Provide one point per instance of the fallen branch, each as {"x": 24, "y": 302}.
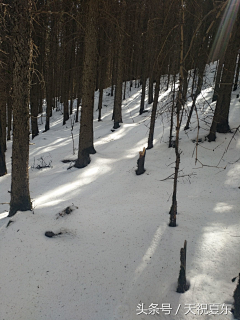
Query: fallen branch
{"x": 185, "y": 175}
{"x": 206, "y": 165}
{"x": 226, "y": 150}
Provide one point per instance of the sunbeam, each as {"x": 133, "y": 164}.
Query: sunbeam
{"x": 224, "y": 30}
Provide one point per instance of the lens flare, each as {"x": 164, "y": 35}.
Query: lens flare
{"x": 224, "y": 30}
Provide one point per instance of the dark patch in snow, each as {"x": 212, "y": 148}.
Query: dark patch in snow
{"x": 68, "y": 160}
{"x": 199, "y": 140}
{"x": 66, "y": 211}
{"x": 50, "y": 234}
{"x": 9, "y": 222}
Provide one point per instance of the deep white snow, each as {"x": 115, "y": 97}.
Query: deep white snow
{"x": 116, "y": 252}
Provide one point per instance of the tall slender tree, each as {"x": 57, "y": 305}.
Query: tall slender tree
{"x": 117, "y": 111}
{"x": 179, "y": 103}
{"x": 3, "y": 169}
{"x": 3, "y": 95}
{"x": 21, "y": 42}
{"x": 220, "y": 120}
{"x": 86, "y": 146}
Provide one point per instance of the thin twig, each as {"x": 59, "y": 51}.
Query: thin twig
{"x": 226, "y": 150}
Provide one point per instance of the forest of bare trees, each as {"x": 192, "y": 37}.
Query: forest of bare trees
{"x": 65, "y": 50}
{"x": 56, "y": 54}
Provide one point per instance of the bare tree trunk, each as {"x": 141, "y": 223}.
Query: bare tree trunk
{"x": 100, "y": 102}
{"x": 3, "y": 120}
{"x": 113, "y": 76}
{"x": 173, "y": 210}
{"x": 144, "y": 72}
{"x": 185, "y": 86}
{"x": 170, "y": 142}
{"x": 47, "y": 73}
{"x": 3, "y": 168}
{"x": 34, "y": 108}
{"x": 142, "y": 105}
{"x": 21, "y": 40}
{"x": 196, "y": 94}
{"x": 150, "y": 89}
{"x": 77, "y": 112}
{"x": 117, "y": 111}
{"x": 102, "y": 66}
{"x": 79, "y": 61}
{"x": 194, "y": 80}
{"x": 153, "y": 115}
{"x": 9, "y": 115}
{"x": 237, "y": 74}
{"x": 218, "y": 79}
{"x": 124, "y": 90}
{"x": 220, "y": 119}
{"x": 89, "y": 73}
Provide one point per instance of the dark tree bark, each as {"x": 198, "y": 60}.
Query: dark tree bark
{"x": 153, "y": 115}
{"x": 100, "y": 102}
{"x": 9, "y": 94}
{"x": 4, "y": 94}
{"x": 47, "y": 71}
{"x": 124, "y": 90}
{"x": 3, "y": 168}
{"x": 69, "y": 54}
{"x": 140, "y": 162}
{"x": 102, "y": 45}
{"x": 142, "y": 105}
{"x": 66, "y": 47}
{"x": 220, "y": 120}
{"x": 9, "y": 113}
{"x": 34, "y": 108}
{"x": 89, "y": 73}
{"x": 198, "y": 89}
{"x": 150, "y": 90}
{"x": 218, "y": 80}
{"x": 144, "y": 61}
{"x": 79, "y": 62}
{"x": 183, "y": 286}
{"x": 117, "y": 110}
{"x": 21, "y": 41}
{"x": 194, "y": 81}
{"x": 144, "y": 73}
{"x": 170, "y": 142}
{"x": 236, "y": 75}
{"x": 3, "y": 120}
{"x": 77, "y": 112}
{"x": 179, "y": 103}
{"x": 113, "y": 75}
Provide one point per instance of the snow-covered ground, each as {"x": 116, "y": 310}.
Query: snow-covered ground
{"x": 116, "y": 256}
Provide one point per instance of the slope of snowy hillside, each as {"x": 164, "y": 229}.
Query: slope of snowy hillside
{"x": 116, "y": 257}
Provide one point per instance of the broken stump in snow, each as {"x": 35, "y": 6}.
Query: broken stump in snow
{"x": 236, "y": 303}
{"x": 182, "y": 281}
{"x": 140, "y": 162}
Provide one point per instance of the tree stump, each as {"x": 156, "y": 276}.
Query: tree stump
{"x": 236, "y": 303}
{"x": 183, "y": 286}
{"x": 140, "y": 162}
